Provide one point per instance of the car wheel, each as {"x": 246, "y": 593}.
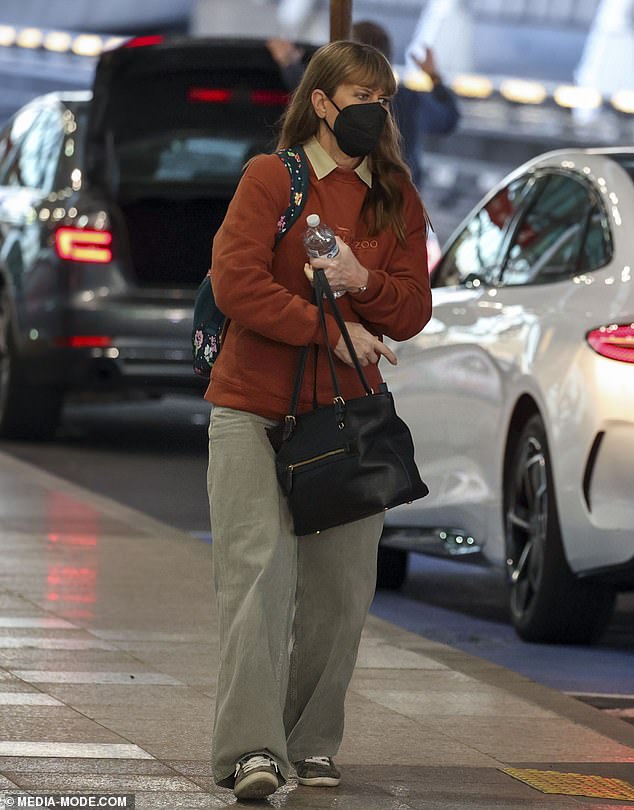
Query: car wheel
{"x": 26, "y": 411}
{"x": 391, "y": 568}
{"x": 547, "y": 602}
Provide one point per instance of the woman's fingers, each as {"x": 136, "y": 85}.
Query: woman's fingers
{"x": 387, "y": 353}
{"x": 343, "y": 272}
{"x": 369, "y": 349}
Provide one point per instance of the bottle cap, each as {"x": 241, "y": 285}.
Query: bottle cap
{"x": 312, "y": 220}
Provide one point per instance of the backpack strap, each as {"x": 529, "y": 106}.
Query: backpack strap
{"x": 209, "y": 324}
{"x": 294, "y": 158}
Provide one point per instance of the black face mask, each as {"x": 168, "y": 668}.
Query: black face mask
{"x": 358, "y": 127}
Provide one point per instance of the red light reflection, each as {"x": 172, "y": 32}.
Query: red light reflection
{"x": 71, "y": 579}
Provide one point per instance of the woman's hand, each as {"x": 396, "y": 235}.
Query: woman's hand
{"x": 428, "y": 64}
{"x": 284, "y": 52}
{"x": 368, "y": 347}
{"x": 344, "y": 271}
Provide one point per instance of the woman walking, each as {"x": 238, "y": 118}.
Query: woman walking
{"x": 291, "y": 609}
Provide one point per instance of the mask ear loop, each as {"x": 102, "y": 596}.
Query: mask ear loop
{"x": 336, "y": 108}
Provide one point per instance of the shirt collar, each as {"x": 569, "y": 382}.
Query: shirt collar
{"x": 323, "y": 164}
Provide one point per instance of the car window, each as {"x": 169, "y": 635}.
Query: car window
{"x": 11, "y": 136}
{"x": 196, "y": 158}
{"x": 547, "y": 242}
{"x": 6, "y": 147}
{"x": 597, "y": 247}
{"x": 475, "y": 253}
{"x": 34, "y": 163}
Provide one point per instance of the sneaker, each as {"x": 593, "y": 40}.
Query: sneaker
{"x": 256, "y": 776}
{"x": 317, "y": 772}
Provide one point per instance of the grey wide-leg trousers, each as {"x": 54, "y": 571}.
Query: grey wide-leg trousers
{"x": 291, "y": 610}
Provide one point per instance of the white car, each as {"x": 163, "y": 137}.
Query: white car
{"x": 520, "y": 395}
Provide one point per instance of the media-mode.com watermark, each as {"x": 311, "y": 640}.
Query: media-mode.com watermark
{"x": 58, "y": 800}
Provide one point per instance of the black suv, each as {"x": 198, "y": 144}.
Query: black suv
{"x": 109, "y": 201}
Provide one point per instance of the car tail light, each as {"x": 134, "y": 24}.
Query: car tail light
{"x": 143, "y": 42}
{"x": 208, "y": 95}
{"x": 84, "y": 342}
{"x": 83, "y": 245}
{"x": 615, "y": 341}
{"x": 221, "y": 95}
{"x": 269, "y": 97}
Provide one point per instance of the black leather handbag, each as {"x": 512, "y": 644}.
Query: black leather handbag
{"x": 348, "y": 460}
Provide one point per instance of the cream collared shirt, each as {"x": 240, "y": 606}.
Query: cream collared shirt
{"x": 323, "y": 164}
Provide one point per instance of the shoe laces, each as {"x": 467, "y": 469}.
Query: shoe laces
{"x": 318, "y": 760}
{"x": 255, "y": 762}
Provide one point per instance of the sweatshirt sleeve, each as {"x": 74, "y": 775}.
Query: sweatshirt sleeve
{"x": 397, "y": 301}
{"x": 244, "y": 287}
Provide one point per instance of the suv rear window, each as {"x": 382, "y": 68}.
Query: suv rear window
{"x": 195, "y": 158}
{"x": 187, "y": 113}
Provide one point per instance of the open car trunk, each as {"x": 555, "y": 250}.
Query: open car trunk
{"x": 170, "y": 239}
{"x": 171, "y": 127}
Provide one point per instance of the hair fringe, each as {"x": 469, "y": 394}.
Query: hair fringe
{"x": 335, "y": 64}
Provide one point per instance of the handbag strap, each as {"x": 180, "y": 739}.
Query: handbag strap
{"x": 301, "y": 366}
{"x": 327, "y": 291}
{"x": 323, "y": 290}
{"x": 319, "y": 300}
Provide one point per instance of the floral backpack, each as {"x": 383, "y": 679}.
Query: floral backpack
{"x": 209, "y": 323}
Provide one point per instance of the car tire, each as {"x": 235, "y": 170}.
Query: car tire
{"x": 547, "y": 602}
{"x": 26, "y": 411}
{"x": 391, "y": 568}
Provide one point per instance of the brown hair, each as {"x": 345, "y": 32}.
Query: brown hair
{"x": 345, "y": 62}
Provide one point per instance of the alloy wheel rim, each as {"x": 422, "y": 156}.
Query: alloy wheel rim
{"x": 526, "y": 526}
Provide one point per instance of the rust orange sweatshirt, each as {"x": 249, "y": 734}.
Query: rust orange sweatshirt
{"x": 268, "y": 299}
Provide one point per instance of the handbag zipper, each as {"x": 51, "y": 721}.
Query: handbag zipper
{"x": 290, "y": 469}
{"x": 337, "y": 452}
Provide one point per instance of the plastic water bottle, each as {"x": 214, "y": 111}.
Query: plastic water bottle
{"x": 320, "y": 242}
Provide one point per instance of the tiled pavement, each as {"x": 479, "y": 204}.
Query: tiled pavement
{"x": 108, "y": 663}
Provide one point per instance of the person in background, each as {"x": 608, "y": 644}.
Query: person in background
{"x": 416, "y": 113}
{"x": 291, "y": 609}
{"x": 289, "y": 59}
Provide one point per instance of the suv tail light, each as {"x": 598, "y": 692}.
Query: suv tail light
{"x": 209, "y": 95}
{"x": 83, "y": 245}
{"x": 144, "y": 41}
{"x": 615, "y": 341}
{"x": 268, "y": 98}
{"x": 84, "y": 342}
{"x": 221, "y": 95}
